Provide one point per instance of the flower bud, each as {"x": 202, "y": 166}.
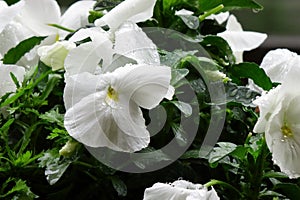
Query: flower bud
{"x": 54, "y": 55}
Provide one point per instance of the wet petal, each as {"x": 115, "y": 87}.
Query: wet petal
{"x": 276, "y": 64}
{"x": 7, "y": 13}
{"x": 81, "y": 85}
{"x": 87, "y": 56}
{"x": 132, "y": 42}
{"x": 243, "y": 41}
{"x": 147, "y": 85}
{"x": 36, "y": 15}
{"x": 76, "y": 16}
{"x": 140, "y": 10}
{"x": 91, "y": 122}
{"x": 6, "y": 83}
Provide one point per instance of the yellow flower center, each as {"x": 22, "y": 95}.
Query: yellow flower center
{"x": 112, "y": 94}
{"x": 286, "y": 131}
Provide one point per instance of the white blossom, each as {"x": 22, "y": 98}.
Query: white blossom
{"x": 104, "y": 110}
{"x": 180, "y": 190}
{"x": 240, "y": 40}
{"x": 279, "y": 120}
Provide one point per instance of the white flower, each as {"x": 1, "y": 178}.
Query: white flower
{"x": 104, "y": 110}
{"x": 6, "y": 83}
{"x": 54, "y": 55}
{"x": 29, "y": 18}
{"x": 240, "y": 40}
{"x": 128, "y": 10}
{"x": 279, "y": 119}
{"x": 277, "y": 63}
{"x": 180, "y": 190}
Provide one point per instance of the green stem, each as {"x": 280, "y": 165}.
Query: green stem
{"x": 227, "y": 185}
{"x": 62, "y": 28}
{"x": 257, "y": 176}
{"x": 210, "y": 12}
{"x": 84, "y": 164}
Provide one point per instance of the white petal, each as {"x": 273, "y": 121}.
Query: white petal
{"x": 91, "y": 122}
{"x": 243, "y": 41}
{"x": 276, "y": 64}
{"x": 132, "y": 42}
{"x": 183, "y": 12}
{"x": 81, "y": 85}
{"x": 266, "y": 103}
{"x": 181, "y": 189}
{"x": 76, "y": 16}
{"x": 6, "y": 83}
{"x": 36, "y": 15}
{"x": 129, "y": 119}
{"x": 285, "y": 150}
{"x": 170, "y": 93}
{"x": 233, "y": 24}
{"x": 220, "y": 18}
{"x": 12, "y": 35}
{"x": 54, "y": 55}
{"x": 7, "y": 14}
{"x": 147, "y": 85}
{"x": 87, "y": 56}
{"x": 131, "y": 10}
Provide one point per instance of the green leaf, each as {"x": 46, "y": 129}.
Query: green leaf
{"x": 180, "y": 134}
{"x": 185, "y": 108}
{"x": 119, "y": 186}
{"x": 273, "y": 174}
{"x": 218, "y": 153}
{"x": 14, "y": 54}
{"x": 20, "y": 190}
{"x": 54, "y": 167}
{"x": 177, "y": 76}
{"x": 218, "y": 49}
{"x": 171, "y": 59}
{"x": 270, "y": 193}
{"x": 51, "y": 83}
{"x": 191, "y": 154}
{"x": 190, "y": 21}
{"x": 205, "y": 5}
{"x": 290, "y": 190}
{"x": 240, "y": 94}
{"x": 53, "y": 116}
{"x": 238, "y": 4}
{"x": 10, "y": 2}
{"x": 252, "y": 71}
{"x": 148, "y": 157}
{"x": 24, "y": 159}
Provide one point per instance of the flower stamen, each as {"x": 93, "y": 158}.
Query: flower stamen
{"x": 286, "y": 131}
{"x": 112, "y": 94}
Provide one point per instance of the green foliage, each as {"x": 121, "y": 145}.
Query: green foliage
{"x": 252, "y": 71}
{"x": 14, "y": 54}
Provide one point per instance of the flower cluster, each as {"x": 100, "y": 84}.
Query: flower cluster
{"x": 87, "y": 80}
